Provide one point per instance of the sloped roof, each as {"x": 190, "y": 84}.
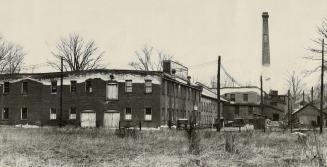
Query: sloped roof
{"x": 208, "y": 93}
{"x": 241, "y": 90}
{"x": 305, "y": 106}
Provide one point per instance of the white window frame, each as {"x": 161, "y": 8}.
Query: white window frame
{"x": 128, "y": 116}
{"x": 70, "y": 86}
{"x": 51, "y": 87}
{"x": 21, "y": 113}
{"x": 147, "y": 117}
{"x": 3, "y": 111}
{"x": 53, "y": 116}
{"x": 148, "y": 88}
{"x": 107, "y": 94}
{"x": 72, "y": 116}
{"x": 128, "y": 88}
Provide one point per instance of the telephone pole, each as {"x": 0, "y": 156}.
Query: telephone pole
{"x": 322, "y": 86}
{"x": 218, "y": 95}
{"x": 61, "y": 90}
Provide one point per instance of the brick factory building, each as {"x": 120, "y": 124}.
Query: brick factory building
{"x": 100, "y": 98}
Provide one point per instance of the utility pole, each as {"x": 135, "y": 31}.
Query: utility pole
{"x": 218, "y": 95}
{"x": 261, "y": 105}
{"x": 61, "y": 90}
{"x": 322, "y": 86}
{"x": 288, "y": 108}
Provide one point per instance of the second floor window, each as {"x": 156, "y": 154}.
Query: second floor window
{"x": 148, "y": 86}
{"x": 73, "y": 85}
{"x": 112, "y": 91}
{"x": 250, "y": 109}
{"x": 53, "y": 113}
{"x": 5, "y": 113}
{"x": 232, "y": 97}
{"x": 128, "y": 86}
{"x": 245, "y": 97}
{"x": 88, "y": 86}
{"x": 6, "y": 87}
{"x": 53, "y": 86}
{"x": 24, "y": 88}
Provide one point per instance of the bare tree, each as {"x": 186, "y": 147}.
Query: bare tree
{"x": 11, "y": 57}
{"x": 295, "y": 85}
{"x": 77, "y": 53}
{"x": 149, "y": 60}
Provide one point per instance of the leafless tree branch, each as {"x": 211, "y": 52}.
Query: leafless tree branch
{"x": 77, "y": 54}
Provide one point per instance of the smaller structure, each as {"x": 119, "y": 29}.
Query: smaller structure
{"x": 307, "y": 116}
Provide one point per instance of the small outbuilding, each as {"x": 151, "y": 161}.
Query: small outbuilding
{"x": 308, "y": 115}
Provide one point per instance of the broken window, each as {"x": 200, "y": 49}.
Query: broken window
{"x": 24, "y": 88}
{"x": 72, "y": 113}
{"x": 112, "y": 91}
{"x": 23, "y": 113}
{"x": 148, "y": 113}
{"x": 73, "y": 85}
{"x": 6, "y": 87}
{"x": 128, "y": 86}
{"x": 148, "y": 86}
{"x": 88, "y": 86}
{"x": 5, "y": 113}
{"x": 53, "y": 113}
{"x": 53, "y": 86}
{"x": 128, "y": 113}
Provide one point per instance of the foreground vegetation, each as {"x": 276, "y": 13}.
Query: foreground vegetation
{"x": 101, "y": 147}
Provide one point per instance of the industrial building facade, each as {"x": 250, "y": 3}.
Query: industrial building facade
{"x": 96, "y": 98}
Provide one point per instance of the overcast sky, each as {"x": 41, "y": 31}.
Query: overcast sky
{"x": 195, "y": 32}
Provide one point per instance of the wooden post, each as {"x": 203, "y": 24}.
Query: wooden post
{"x": 218, "y": 95}
{"x": 322, "y": 86}
{"x": 288, "y": 108}
{"x": 140, "y": 125}
{"x": 61, "y": 90}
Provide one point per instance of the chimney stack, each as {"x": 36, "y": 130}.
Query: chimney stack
{"x": 265, "y": 40}
{"x": 189, "y": 80}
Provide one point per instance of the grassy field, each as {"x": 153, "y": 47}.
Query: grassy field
{"x": 100, "y": 147}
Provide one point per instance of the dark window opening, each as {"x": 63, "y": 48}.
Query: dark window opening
{"x": 88, "y": 86}
{"x": 24, "y": 88}
{"x": 53, "y": 86}
{"x": 6, "y": 87}
{"x": 232, "y": 97}
{"x": 73, "y": 86}
{"x": 24, "y": 113}
{"x": 5, "y": 113}
{"x": 237, "y": 110}
{"x": 275, "y": 117}
{"x": 245, "y": 97}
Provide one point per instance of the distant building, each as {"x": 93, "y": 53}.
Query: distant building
{"x": 208, "y": 106}
{"x": 308, "y": 116}
{"x": 245, "y": 105}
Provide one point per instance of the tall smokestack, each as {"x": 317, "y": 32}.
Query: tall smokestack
{"x": 265, "y": 40}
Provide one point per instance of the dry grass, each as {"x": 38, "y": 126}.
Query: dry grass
{"x": 100, "y": 147}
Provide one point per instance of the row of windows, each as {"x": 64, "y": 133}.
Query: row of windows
{"x": 237, "y": 110}
{"x": 113, "y": 87}
{"x": 182, "y": 92}
{"x": 72, "y": 113}
{"x": 147, "y": 113}
{"x": 23, "y": 113}
{"x": 232, "y": 97}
